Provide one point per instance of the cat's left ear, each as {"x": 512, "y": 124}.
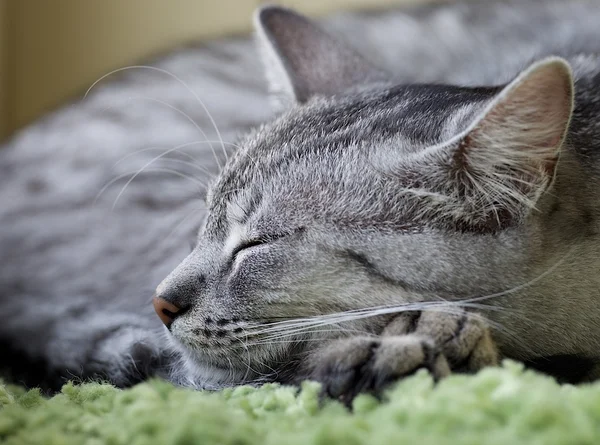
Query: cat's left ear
{"x": 507, "y": 158}
{"x": 302, "y": 60}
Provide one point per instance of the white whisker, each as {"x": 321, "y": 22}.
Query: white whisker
{"x": 231, "y": 368}
{"x": 147, "y": 165}
{"x": 524, "y": 285}
{"x": 177, "y": 110}
{"x": 181, "y": 152}
{"x": 303, "y": 324}
{"x": 248, "y": 365}
{"x": 149, "y": 170}
{"x": 291, "y": 327}
{"x": 188, "y": 163}
{"x": 173, "y": 76}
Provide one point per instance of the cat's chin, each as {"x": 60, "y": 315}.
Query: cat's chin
{"x": 193, "y": 368}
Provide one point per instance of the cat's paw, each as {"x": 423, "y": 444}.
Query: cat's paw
{"x": 353, "y": 365}
{"x": 124, "y": 357}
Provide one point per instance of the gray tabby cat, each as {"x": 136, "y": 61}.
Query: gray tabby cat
{"x": 382, "y": 223}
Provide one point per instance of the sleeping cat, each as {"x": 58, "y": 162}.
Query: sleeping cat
{"x": 442, "y": 215}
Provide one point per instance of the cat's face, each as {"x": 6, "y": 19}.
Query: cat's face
{"x": 362, "y": 196}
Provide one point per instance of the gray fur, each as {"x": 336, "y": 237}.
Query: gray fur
{"x": 325, "y": 181}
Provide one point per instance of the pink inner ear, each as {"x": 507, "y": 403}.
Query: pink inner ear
{"x": 555, "y": 141}
{"x": 531, "y": 116}
{"x": 509, "y": 157}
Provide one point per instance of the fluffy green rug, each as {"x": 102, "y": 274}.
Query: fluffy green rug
{"x": 504, "y": 406}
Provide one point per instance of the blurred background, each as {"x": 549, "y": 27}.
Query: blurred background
{"x": 53, "y": 50}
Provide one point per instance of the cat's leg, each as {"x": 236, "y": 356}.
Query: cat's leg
{"x": 436, "y": 341}
{"x": 45, "y": 344}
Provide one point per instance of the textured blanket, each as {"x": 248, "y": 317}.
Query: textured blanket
{"x": 506, "y": 406}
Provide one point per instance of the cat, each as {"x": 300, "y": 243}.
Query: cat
{"x": 442, "y": 217}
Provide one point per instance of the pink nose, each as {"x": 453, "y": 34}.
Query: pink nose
{"x": 167, "y": 312}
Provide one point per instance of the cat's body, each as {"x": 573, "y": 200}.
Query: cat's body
{"x": 345, "y": 197}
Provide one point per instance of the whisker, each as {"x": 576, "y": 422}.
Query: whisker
{"x": 247, "y": 363}
{"x": 188, "y": 163}
{"x": 298, "y": 340}
{"x": 445, "y": 308}
{"x": 296, "y": 326}
{"x": 230, "y": 374}
{"x": 513, "y": 313}
{"x": 453, "y": 310}
{"x": 149, "y": 170}
{"x": 177, "y": 110}
{"x": 248, "y": 369}
{"x": 352, "y": 314}
{"x": 312, "y": 324}
{"x": 524, "y": 285}
{"x": 296, "y": 336}
{"x": 173, "y": 76}
{"x": 306, "y": 323}
{"x": 314, "y": 330}
{"x": 127, "y": 156}
{"x": 147, "y": 165}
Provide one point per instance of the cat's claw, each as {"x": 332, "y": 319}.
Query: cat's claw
{"x": 368, "y": 364}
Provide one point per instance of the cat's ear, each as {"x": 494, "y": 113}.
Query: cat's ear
{"x": 508, "y": 156}
{"x": 302, "y": 60}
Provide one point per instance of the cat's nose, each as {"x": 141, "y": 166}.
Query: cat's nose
{"x": 166, "y": 311}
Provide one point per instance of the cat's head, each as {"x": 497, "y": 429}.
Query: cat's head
{"x": 362, "y": 194}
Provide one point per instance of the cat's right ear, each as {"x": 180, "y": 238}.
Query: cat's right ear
{"x": 497, "y": 169}
{"x": 302, "y": 60}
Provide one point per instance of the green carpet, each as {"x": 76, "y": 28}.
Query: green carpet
{"x": 504, "y": 406}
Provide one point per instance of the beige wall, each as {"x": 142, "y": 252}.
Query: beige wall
{"x": 3, "y": 70}
{"x": 57, "y": 48}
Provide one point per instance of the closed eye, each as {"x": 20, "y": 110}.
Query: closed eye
{"x": 248, "y": 244}
{"x": 263, "y": 240}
